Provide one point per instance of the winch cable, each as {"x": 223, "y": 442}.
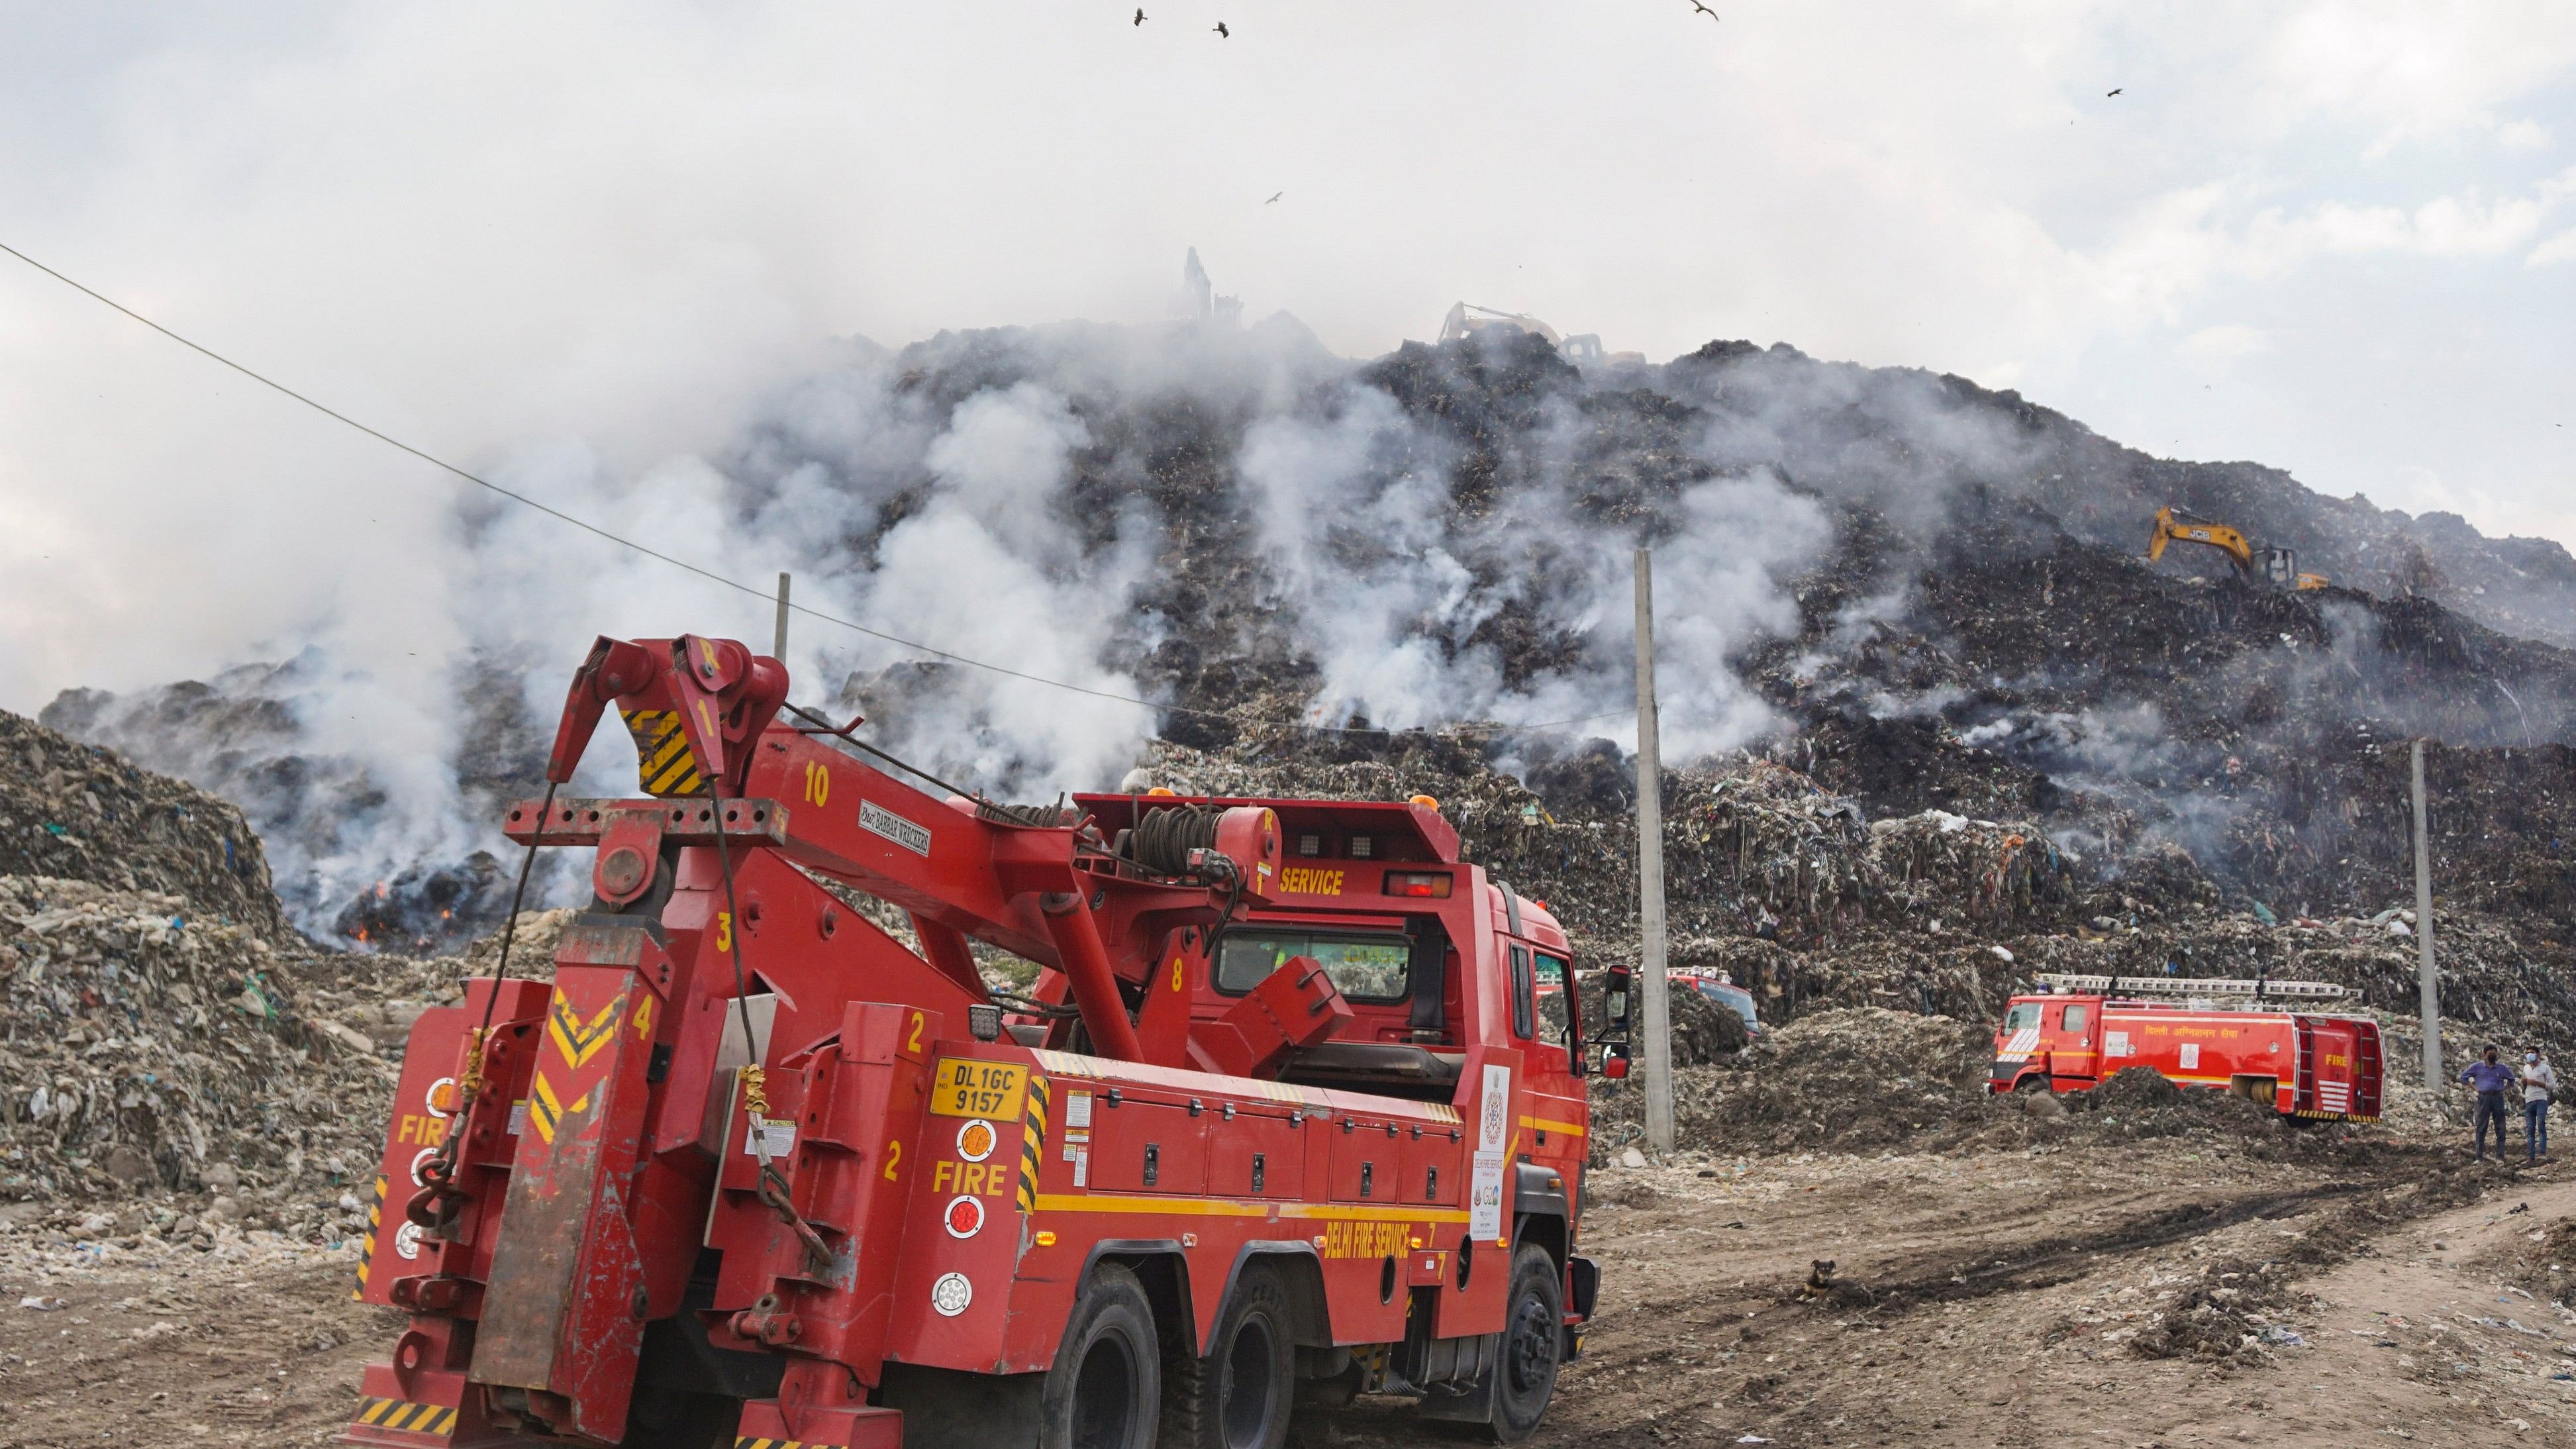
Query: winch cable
{"x": 823, "y": 728}
{"x": 438, "y": 1175}
{"x": 755, "y": 1077}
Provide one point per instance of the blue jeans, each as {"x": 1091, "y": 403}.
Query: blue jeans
{"x": 2535, "y": 1130}
{"x": 2490, "y": 1109}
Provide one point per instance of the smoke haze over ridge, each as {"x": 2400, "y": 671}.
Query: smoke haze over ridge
{"x": 600, "y": 254}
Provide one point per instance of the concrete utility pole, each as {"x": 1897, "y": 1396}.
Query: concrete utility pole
{"x": 1652, "y": 988}
{"x": 779, "y": 650}
{"x": 2430, "y": 982}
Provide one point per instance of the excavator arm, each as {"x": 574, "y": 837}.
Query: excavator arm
{"x": 2171, "y": 528}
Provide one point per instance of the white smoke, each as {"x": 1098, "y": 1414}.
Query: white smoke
{"x": 1016, "y": 498}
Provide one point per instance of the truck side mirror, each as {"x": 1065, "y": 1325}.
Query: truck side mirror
{"x": 1614, "y": 1004}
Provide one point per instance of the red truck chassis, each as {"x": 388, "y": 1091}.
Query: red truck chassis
{"x": 1277, "y": 1124}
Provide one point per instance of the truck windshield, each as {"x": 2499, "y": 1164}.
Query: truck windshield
{"x": 1735, "y": 997}
{"x": 1363, "y": 968}
{"x": 2022, "y": 1017}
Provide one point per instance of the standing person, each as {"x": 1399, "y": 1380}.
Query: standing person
{"x": 2539, "y": 1089}
{"x": 2490, "y": 1077}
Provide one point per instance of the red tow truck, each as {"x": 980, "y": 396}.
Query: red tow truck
{"x": 1277, "y": 1123}
{"x": 2243, "y": 1036}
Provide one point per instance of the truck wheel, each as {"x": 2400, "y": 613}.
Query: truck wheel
{"x": 1103, "y": 1389}
{"x": 1533, "y": 1341}
{"x": 2035, "y": 1082}
{"x": 1240, "y": 1395}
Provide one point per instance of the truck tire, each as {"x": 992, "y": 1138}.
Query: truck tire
{"x": 1241, "y": 1395}
{"x": 1533, "y": 1342}
{"x": 1105, "y": 1387}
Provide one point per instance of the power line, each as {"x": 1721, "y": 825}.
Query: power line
{"x": 683, "y": 564}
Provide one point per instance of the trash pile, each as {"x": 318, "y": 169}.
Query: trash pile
{"x": 2001, "y": 876}
{"x": 72, "y": 811}
{"x": 1851, "y": 1078}
{"x": 143, "y": 1048}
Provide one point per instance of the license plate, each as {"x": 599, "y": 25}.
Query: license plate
{"x": 978, "y": 1089}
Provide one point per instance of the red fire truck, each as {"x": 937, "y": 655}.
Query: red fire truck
{"x": 2244, "y": 1036}
{"x": 1277, "y": 1123}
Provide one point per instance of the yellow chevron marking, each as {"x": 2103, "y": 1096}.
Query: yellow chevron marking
{"x": 546, "y": 1109}
{"x": 579, "y": 1041}
{"x": 1033, "y": 1125}
{"x": 663, "y": 761}
{"x": 401, "y": 1414}
{"x": 367, "y": 1249}
{"x": 748, "y": 1442}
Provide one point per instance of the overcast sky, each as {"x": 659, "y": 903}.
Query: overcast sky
{"x": 2339, "y": 238}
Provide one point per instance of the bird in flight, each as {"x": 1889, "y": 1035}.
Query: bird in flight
{"x": 1704, "y": 10}
{"x": 1140, "y": 16}
{"x": 1222, "y": 31}
{"x": 2115, "y": 90}
{"x": 1274, "y": 196}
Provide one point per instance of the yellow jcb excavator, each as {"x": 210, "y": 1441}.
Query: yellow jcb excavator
{"x": 2275, "y": 565}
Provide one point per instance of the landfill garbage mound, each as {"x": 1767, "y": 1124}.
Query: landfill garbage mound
{"x": 74, "y": 811}
{"x": 1853, "y": 1078}
{"x": 143, "y": 1049}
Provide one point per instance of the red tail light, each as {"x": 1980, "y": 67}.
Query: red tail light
{"x": 1422, "y": 884}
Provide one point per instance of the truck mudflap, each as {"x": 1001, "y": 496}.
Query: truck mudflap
{"x": 1583, "y": 1287}
{"x": 1582, "y": 1296}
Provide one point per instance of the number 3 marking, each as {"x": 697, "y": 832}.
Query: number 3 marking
{"x": 724, "y": 930}
{"x": 894, "y": 1156}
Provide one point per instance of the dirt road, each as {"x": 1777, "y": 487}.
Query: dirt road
{"x": 1975, "y": 1299}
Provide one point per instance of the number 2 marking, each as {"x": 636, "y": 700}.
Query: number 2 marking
{"x": 914, "y": 1044}
{"x": 894, "y": 1156}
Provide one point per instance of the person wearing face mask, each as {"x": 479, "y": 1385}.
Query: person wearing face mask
{"x": 2539, "y": 1089}
{"x": 2489, "y": 1078}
